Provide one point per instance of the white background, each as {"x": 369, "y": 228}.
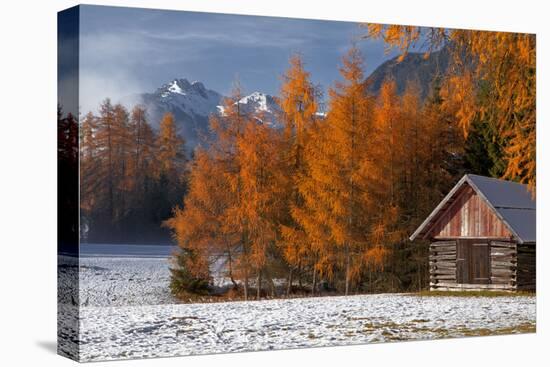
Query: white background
{"x": 28, "y": 181}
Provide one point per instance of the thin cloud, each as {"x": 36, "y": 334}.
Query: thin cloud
{"x": 253, "y": 39}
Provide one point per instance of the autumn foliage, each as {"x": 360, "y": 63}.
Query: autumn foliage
{"x": 501, "y": 63}
{"x": 325, "y": 202}
{"x": 130, "y": 176}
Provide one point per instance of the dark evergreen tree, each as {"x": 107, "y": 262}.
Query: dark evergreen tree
{"x": 484, "y": 145}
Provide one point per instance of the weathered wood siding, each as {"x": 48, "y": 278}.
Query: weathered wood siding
{"x": 469, "y": 217}
{"x": 505, "y": 258}
{"x": 526, "y": 267}
{"x": 442, "y": 263}
{"x": 504, "y": 264}
{"x": 473, "y": 262}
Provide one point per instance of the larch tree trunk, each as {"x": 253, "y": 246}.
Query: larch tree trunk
{"x": 271, "y": 283}
{"x": 230, "y": 264}
{"x": 314, "y": 283}
{"x": 289, "y": 284}
{"x": 259, "y": 285}
{"x": 348, "y": 261}
{"x": 246, "y": 284}
{"x": 300, "y": 284}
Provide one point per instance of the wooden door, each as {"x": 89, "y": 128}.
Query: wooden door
{"x": 473, "y": 262}
{"x": 481, "y": 265}
{"x": 463, "y": 261}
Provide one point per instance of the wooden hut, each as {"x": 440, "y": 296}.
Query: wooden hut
{"x": 483, "y": 237}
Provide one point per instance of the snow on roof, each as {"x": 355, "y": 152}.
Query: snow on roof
{"x": 511, "y": 201}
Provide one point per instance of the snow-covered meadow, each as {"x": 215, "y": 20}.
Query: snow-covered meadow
{"x": 127, "y": 312}
{"x": 173, "y": 330}
{"x": 124, "y": 281}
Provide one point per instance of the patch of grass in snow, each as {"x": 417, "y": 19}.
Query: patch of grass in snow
{"x": 371, "y": 326}
{"x": 442, "y": 333}
{"x": 472, "y": 294}
{"x": 523, "y": 328}
{"x": 419, "y": 320}
{"x": 393, "y": 331}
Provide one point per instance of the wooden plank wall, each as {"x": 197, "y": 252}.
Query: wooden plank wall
{"x": 469, "y": 217}
{"x": 442, "y": 264}
{"x": 504, "y": 264}
{"x": 526, "y": 273}
{"x": 505, "y": 258}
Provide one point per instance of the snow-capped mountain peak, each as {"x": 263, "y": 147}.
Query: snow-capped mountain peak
{"x": 191, "y": 98}
{"x": 262, "y": 105}
{"x": 258, "y": 100}
{"x": 183, "y": 87}
{"x": 192, "y": 104}
{"x": 175, "y": 88}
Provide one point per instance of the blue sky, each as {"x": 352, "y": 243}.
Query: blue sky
{"x": 129, "y": 50}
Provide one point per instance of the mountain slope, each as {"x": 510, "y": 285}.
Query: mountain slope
{"x": 263, "y": 105}
{"x": 413, "y": 68}
{"x": 192, "y": 104}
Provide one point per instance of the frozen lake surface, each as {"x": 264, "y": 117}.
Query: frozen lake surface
{"x": 128, "y": 312}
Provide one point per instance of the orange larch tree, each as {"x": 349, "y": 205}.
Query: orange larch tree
{"x": 170, "y": 150}
{"x": 336, "y": 193}
{"x": 261, "y": 207}
{"x": 298, "y": 101}
{"x": 384, "y": 169}
{"x": 228, "y": 129}
{"x": 199, "y": 226}
{"x": 506, "y": 62}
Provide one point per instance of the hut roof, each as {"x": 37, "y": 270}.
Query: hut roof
{"x": 512, "y": 203}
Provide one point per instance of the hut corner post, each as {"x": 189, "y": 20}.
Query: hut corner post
{"x": 526, "y": 267}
